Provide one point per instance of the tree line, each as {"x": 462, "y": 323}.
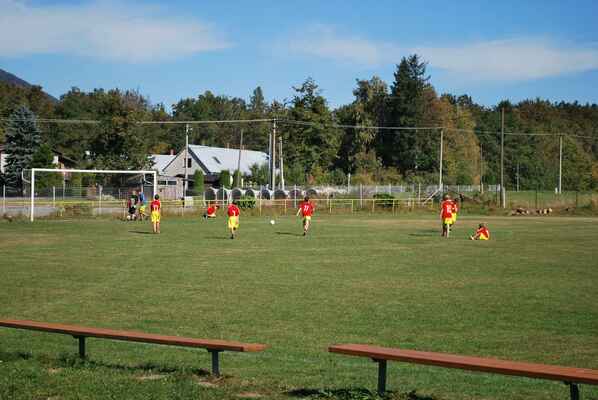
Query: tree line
{"x": 321, "y": 144}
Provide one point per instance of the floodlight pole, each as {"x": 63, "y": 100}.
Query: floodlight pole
{"x": 502, "y": 158}
{"x": 186, "y": 158}
{"x": 281, "y": 165}
{"x": 481, "y": 170}
{"x": 440, "y": 163}
{"x": 560, "y": 163}
{"x": 273, "y": 157}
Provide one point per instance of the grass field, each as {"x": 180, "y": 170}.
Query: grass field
{"x": 530, "y": 294}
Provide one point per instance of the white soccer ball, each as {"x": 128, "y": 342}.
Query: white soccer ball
{"x": 272, "y": 222}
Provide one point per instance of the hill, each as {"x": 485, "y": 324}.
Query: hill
{"x": 12, "y": 79}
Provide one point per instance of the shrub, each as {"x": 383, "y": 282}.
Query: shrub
{"x": 384, "y": 199}
{"x": 246, "y": 202}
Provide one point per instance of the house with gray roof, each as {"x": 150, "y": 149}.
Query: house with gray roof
{"x": 211, "y": 161}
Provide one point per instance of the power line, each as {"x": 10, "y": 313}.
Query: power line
{"x": 307, "y": 123}
{"x": 394, "y": 128}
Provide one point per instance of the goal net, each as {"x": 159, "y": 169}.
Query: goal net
{"x": 56, "y": 192}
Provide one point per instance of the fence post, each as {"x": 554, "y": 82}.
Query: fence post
{"x": 329, "y": 206}
{"x": 393, "y": 206}
{"x": 3, "y": 198}
{"x": 100, "y": 202}
{"x": 351, "y": 206}
{"x": 373, "y": 204}
{"x": 361, "y": 195}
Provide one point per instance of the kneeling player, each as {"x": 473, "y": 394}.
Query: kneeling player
{"x": 233, "y": 218}
{"x": 481, "y": 234}
{"x": 306, "y": 209}
{"x": 211, "y": 211}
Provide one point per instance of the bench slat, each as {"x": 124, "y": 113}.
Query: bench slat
{"x": 551, "y": 372}
{"x": 133, "y": 336}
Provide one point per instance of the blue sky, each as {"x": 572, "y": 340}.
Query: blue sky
{"x": 491, "y": 50}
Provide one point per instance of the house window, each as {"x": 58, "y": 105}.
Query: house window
{"x": 188, "y": 163}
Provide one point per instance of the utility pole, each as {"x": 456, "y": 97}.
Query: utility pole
{"x": 518, "y": 176}
{"x": 560, "y": 163}
{"x": 239, "y": 161}
{"x": 281, "y": 165}
{"x": 440, "y": 164}
{"x": 273, "y": 156}
{"x": 186, "y": 183}
{"x": 502, "y": 158}
{"x": 481, "y": 170}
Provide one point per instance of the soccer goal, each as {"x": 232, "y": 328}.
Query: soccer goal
{"x": 50, "y": 198}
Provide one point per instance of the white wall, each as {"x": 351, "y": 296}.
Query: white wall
{"x": 177, "y": 166}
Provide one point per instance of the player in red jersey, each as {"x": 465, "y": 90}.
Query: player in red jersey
{"x": 446, "y": 214}
{"x": 306, "y": 209}
{"x": 211, "y": 211}
{"x": 482, "y": 233}
{"x": 156, "y": 211}
{"x": 233, "y": 218}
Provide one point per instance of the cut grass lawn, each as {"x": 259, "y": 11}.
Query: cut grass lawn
{"x": 529, "y": 294}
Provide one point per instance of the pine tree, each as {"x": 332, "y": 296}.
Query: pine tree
{"x": 23, "y": 139}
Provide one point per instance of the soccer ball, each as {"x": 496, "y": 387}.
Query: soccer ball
{"x": 128, "y": 217}
{"x": 272, "y": 222}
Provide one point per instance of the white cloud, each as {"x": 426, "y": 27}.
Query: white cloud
{"x": 102, "y": 29}
{"x": 511, "y": 60}
{"x": 323, "y": 42}
{"x": 500, "y": 60}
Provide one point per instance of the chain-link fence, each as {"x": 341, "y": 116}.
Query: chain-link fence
{"x": 96, "y": 200}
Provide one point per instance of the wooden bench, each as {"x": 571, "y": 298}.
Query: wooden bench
{"x": 214, "y": 347}
{"x": 570, "y": 376}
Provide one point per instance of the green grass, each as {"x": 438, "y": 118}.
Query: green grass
{"x": 529, "y": 294}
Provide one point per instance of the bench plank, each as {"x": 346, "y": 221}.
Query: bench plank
{"x": 132, "y": 336}
{"x": 492, "y": 365}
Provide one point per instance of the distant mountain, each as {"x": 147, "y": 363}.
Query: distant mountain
{"x": 7, "y": 77}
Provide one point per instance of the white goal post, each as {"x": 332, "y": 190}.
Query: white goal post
{"x": 91, "y": 171}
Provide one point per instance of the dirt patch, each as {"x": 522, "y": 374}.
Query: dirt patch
{"x": 54, "y": 371}
{"x": 151, "y": 377}
{"x": 249, "y": 395}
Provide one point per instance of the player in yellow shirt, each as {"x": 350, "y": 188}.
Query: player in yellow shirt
{"x": 156, "y": 211}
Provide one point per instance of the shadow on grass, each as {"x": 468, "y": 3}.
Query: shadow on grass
{"x": 426, "y": 233}
{"x": 72, "y": 360}
{"x": 289, "y": 234}
{"x": 218, "y": 237}
{"x": 353, "y": 394}
{"x": 142, "y": 232}
{"x": 14, "y": 356}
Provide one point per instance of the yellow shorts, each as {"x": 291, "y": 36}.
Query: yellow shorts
{"x": 484, "y": 237}
{"x": 233, "y": 222}
{"x": 454, "y": 218}
{"x": 447, "y": 221}
{"x": 307, "y": 218}
{"x": 155, "y": 216}
{"x": 142, "y": 210}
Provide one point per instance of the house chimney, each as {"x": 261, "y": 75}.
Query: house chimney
{"x": 172, "y": 152}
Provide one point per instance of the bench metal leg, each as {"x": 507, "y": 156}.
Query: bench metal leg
{"x": 573, "y": 390}
{"x": 81, "y": 346}
{"x": 381, "y": 376}
{"x": 215, "y": 362}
